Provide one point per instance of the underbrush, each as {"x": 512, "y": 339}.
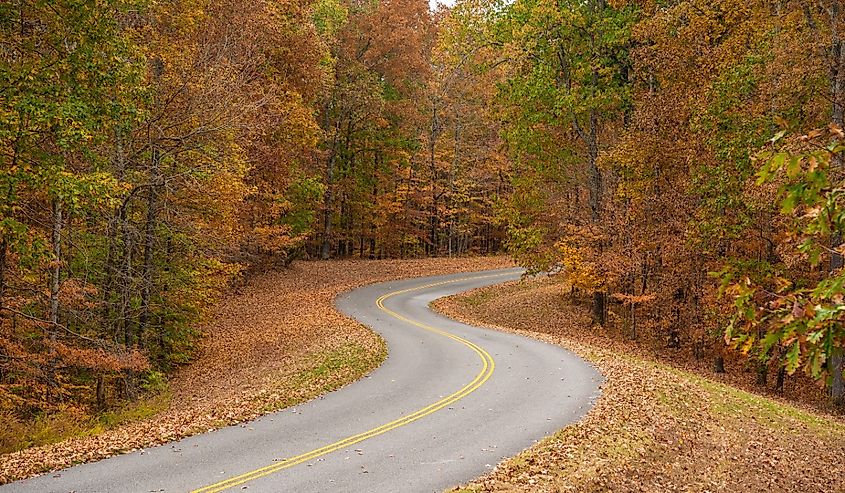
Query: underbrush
{"x": 69, "y": 422}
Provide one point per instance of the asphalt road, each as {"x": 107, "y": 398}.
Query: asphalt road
{"x": 449, "y": 403}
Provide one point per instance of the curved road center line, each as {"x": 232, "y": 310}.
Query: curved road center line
{"x": 488, "y": 365}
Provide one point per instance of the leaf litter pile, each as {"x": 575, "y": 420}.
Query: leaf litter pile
{"x": 276, "y": 342}
{"x": 657, "y": 427}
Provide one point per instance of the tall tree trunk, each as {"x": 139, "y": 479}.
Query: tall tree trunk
{"x": 114, "y": 225}
{"x": 4, "y": 248}
{"x": 452, "y": 170}
{"x": 125, "y": 278}
{"x": 110, "y": 266}
{"x": 590, "y": 138}
{"x": 55, "y": 285}
{"x": 837, "y": 81}
{"x": 149, "y": 246}
{"x": 55, "y": 278}
{"x": 432, "y": 144}
{"x": 595, "y": 181}
{"x": 837, "y": 65}
{"x": 328, "y": 200}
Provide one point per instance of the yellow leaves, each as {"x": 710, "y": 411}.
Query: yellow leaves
{"x": 274, "y": 239}
{"x": 578, "y": 270}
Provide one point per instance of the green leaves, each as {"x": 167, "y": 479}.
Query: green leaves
{"x": 572, "y": 57}
{"x": 805, "y": 318}
{"x": 329, "y": 16}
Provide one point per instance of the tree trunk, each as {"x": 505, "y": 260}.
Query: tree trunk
{"x": 837, "y": 81}
{"x": 149, "y": 244}
{"x": 432, "y": 144}
{"x": 55, "y": 285}
{"x": 595, "y": 188}
{"x": 762, "y": 374}
{"x": 593, "y": 170}
{"x": 328, "y": 199}
{"x": 56, "y": 271}
{"x": 4, "y": 248}
{"x": 110, "y": 266}
{"x": 101, "y": 392}
{"x": 837, "y": 383}
{"x": 837, "y": 65}
{"x": 633, "y": 321}
{"x": 452, "y": 170}
{"x": 781, "y": 378}
{"x": 123, "y": 334}
{"x": 114, "y": 225}
{"x": 599, "y": 301}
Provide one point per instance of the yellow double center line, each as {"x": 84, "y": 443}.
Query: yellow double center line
{"x": 486, "y": 372}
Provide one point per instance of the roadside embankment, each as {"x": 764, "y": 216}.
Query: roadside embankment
{"x": 656, "y": 427}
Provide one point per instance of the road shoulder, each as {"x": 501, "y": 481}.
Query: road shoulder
{"x": 655, "y": 427}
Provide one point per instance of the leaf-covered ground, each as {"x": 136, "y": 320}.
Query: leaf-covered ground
{"x": 276, "y": 342}
{"x": 656, "y": 427}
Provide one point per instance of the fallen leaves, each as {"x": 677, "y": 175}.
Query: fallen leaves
{"x": 656, "y": 427}
{"x": 277, "y": 342}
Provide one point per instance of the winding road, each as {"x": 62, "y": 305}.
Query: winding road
{"x": 450, "y": 402}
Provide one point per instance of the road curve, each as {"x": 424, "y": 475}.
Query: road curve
{"x": 450, "y": 402}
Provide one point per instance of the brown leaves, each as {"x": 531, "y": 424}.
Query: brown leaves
{"x": 655, "y": 427}
{"x": 262, "y": 351}
{"x": 98, "y": 359}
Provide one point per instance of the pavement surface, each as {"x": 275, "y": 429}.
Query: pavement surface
{"x": 450, "y": 402}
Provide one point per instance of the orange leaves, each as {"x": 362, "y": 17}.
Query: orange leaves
{"x": 77, "y": 294}
{"x": 100, "y": 359}
{"x": 274, "y": 240}
{"x": 629, "y": 299}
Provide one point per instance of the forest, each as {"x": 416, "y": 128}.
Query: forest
{"x": 678, "y": 164}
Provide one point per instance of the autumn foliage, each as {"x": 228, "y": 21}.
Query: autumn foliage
{"x": 152, "y": 152}
{"x": 635, "y": 131}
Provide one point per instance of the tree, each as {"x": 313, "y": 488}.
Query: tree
{"x": 800, "y": 308}
{"x": 570, "y": 86}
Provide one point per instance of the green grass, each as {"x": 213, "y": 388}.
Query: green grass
{"x": 732, "y": 402}
{"x": 328, "y": 371}
{"x": 70, "y": 423}
{"x": 477, "y": 298}
{"x": 143, "y": 409}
